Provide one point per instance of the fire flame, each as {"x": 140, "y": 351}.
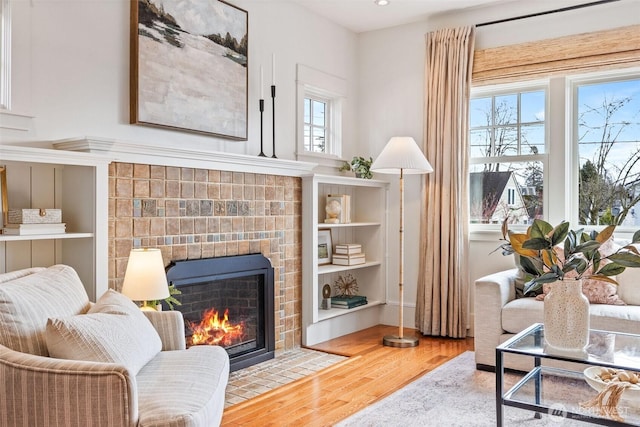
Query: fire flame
{"x": 213, "y": 331}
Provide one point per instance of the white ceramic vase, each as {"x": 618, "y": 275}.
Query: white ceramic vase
{"x": 566, "y": 319}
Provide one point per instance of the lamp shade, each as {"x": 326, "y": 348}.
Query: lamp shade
{"x": 145, "y": 278}
{"x": 401, "y": 153}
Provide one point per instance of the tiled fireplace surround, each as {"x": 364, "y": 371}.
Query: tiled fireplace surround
{"x": 192, "y": 213}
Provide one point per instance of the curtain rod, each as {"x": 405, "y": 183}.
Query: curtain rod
{"x": 531, "y": 15}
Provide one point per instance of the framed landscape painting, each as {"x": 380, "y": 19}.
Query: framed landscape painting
{"x": 189, "y": 66}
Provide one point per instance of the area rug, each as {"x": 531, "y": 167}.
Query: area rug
{"x": 456, "y": 394}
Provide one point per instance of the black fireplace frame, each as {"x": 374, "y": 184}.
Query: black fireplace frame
{"x": 187, "y": 272}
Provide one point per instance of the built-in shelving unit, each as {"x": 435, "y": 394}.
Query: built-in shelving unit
{"x": 368, "y": 227}
{"x": 75, "y": 182}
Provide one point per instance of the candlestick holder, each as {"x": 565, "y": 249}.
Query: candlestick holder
{"x": 261, "y": 104}
{"x": 273, "y": 118}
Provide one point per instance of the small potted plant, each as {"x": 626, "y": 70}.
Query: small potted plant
{"x": 171, "y": 300}
{"x": 359, "y": 165}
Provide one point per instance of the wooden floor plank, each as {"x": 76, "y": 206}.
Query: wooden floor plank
{"x": 328, "y": 396}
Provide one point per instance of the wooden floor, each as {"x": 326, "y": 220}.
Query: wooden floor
{"x": 371, "y": 373}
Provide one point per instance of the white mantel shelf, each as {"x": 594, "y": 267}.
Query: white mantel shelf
{"x": 128, "y": 152}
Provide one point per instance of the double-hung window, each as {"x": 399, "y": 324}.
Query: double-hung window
{"x": 317, "y": 132}
{"x": 320, "y": 98}
{"x": 508, "y": 147}
{"x": 606, "y": 119}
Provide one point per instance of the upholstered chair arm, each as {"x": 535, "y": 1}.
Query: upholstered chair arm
{"x": 43, "y": 391}
{"x": 492, "y": 292}
{"x": 170, "y": 327}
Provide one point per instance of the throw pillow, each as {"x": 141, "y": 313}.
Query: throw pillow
{"x": 113, "y": 331}
{"x": 29, "y": 297}
{"x": 596, "y": 291}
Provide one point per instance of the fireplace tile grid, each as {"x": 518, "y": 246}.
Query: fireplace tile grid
{"x": 194, "y": 213}
{"x": 285, "y": 368}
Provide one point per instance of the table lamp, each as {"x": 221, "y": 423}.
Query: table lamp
{"x": 145, "y": 279}
{"x": 401, "y": 156}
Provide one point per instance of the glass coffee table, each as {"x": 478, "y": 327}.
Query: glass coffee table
{"x": 560, "y": 392}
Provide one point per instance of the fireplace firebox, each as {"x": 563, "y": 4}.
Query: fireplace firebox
{"x": 228, "y": 301}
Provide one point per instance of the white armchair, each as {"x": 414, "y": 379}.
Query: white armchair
{"x": 176, "y": 387}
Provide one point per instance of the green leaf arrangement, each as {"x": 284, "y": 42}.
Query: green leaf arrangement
{"x": 537, "y": 251}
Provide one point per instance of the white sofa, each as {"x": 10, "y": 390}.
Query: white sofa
{"x": 499, "y": 314}
{"x": 67, "y": 362}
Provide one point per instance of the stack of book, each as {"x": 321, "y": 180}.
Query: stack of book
{"x": 348, "y": 254}
{"x": 348, "y": 301}
{"x": 31, "y": 229}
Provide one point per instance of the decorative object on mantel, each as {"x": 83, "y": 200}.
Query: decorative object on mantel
{"x": 359, "y": 165}
{"x": 401, "y": 155}
{"x": 4, "y": 200}
{"x": 273, "y": 102}
{"x": 582, "y": 256}
{"x": 261, "y": 107}
{"x": 189, "y": 67}
{"x": 145, "y": 278}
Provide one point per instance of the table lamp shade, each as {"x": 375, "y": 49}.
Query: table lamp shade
{"x": 401, "y": 153}
{"x": 145, "y": 278}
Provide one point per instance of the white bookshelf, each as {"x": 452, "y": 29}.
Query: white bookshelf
{"x": 368, "y": 227}
{"x": 75, "y": 182}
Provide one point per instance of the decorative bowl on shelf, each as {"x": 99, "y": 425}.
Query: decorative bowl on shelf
{"x": 593, "y": 377}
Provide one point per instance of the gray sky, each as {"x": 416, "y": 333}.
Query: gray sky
{"x": 206, "y": 16}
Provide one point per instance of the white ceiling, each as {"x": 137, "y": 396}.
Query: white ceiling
{"x": 363, "y": 15}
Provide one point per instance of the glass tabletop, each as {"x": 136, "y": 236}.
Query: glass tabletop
{"x": 606, "y": 348}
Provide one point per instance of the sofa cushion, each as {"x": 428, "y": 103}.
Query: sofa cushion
{"x": 171, "y": 396}
{"x": 615, "y": 318}
{"x": 28, "y": 298}
{"x": 113, "y": 331}
{"x": 629, "y": 285}
{"x": 519, "y": 314}
{"x": 596, "y": 291}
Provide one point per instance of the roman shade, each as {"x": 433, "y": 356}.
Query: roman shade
{"x": 616, "y": 48}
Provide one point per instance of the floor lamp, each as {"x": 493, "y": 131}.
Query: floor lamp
{"x": 401, "y": 156}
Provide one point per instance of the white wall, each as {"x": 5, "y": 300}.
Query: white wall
{"x": 70, "y": 71}
{"x": 391, "y": 103}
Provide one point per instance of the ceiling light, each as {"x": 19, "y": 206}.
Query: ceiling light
{"x": 381, "y": 2}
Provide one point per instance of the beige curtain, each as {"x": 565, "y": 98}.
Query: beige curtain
{"x": 442, "y": 302}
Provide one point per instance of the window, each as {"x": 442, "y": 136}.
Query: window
{"x": 566, "y": 149}
{"x": 508, "y": 154}
{"x": 607, "y": 119}
{"x": 316, "y": 128}
{"x": 320, "y": 104}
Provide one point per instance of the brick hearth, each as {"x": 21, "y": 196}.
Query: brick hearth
{"x": 196, "y": 213}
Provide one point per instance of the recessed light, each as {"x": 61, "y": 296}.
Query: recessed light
{"x": 381, "y": 2}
